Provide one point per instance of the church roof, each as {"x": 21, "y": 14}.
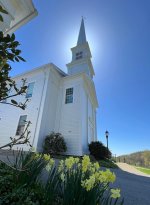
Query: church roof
{"x": 50, "y": 65}
{"x": 82, "y": 35}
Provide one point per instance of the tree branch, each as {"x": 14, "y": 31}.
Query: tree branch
{"x": 23, "y": 139}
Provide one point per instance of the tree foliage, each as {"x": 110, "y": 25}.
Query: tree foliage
{"x": 54, "y": 144}
{"x": 2, "y": 11}
{"x": 138, "y": 158}
{"x": 9, "y": 52}
{"x": 24, "y": 138}
{"x": 8, "y": 88}
{"x": 99, "y": 151}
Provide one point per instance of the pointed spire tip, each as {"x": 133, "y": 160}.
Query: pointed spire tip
{"x": 82, "y": 35}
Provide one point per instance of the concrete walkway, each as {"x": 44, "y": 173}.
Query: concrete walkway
{"x": 134, "y": 185}
{"x": 128, "y": 168}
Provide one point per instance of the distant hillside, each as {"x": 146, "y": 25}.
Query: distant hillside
{"x": 138, "y": 158}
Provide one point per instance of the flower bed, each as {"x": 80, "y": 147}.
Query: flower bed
{"x": 73, "y": 182}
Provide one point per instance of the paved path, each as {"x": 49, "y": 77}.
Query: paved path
{"x": 135, "y": 188}
{"x": 128, "y": 168}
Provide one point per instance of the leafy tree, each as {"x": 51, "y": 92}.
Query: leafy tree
{"x": 24, "y": 138}
{"x": 138, "y": 158}
{"x": 146, "y": 157}
{"x": 9, "y": 52}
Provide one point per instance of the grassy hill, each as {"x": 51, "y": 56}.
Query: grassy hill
{"x": 141, "y": 159}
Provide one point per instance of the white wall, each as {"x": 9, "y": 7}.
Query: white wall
{"x": 76, "y": 120}
{"x": 88, "y": 121}
{"x": 50, "y": 107}
{"x": 68, "y": 120}
{"x": 84, "y": 121}
{"x": 10, "y": 115}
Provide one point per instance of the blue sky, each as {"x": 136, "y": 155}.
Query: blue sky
{"x": 118, "y": 33}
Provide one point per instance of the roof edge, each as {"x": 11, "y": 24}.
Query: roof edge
{"x": 40, "y": 68}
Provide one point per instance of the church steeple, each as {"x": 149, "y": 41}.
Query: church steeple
{"x": 81, "y": 55}
{"x": 82, "y": 35}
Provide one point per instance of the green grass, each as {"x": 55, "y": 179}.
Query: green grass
{"x": 104, "y": 163}
{"x": 144, "y": 170}
{"x": 108, "y": 164}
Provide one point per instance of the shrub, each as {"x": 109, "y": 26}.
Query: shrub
{"x": 54, "y": 144}
{"x": 99, "y": 151}
{"x": 20, "y": 183}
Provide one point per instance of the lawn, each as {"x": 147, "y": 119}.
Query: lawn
{"x": 108, "y": 164}
{"x": 144, "y": 170}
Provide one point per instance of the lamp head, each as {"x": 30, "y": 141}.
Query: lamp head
{"x": 106, "y": 133}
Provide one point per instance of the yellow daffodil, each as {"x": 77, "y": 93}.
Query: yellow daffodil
{"x": 69, "y": 162}
{"x": 96, "y": 165}
{"x": 37, "y": 156}
{"x": 88, "y": 184}
{"x": 61, "y": 166}
{"x": 46, "y": 157}
{"x": 111, "y": 177}
{"x": 115, "y": 193}
{"x": 85, "y": 163}
{"x": 62, "y": 176}
{"x": 50, "y": 163}
{"x": 76, "y": 160}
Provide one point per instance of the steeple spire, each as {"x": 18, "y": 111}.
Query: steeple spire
{"x": 81, "y": 56}
{"x": 82, "y": 35}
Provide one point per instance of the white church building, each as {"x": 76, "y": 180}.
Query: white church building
{"x": 59, "y": 102}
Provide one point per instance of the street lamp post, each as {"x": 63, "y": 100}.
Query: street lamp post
{"x": 107, "y": 134}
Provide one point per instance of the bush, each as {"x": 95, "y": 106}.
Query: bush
{"x": 54, "y": 144}
{"x": 99, "y": 151}
{"x": 20, "y": 182}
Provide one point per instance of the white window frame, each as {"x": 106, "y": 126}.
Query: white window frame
{"x": 69, "y": 96}
{"x": 21, "y": 124}
{"x": 29, "y": 92}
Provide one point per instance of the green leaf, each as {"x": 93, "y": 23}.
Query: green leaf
{"x": 1, "y": 34}
{"x": 14, "y": 102}
{"x": 10, "y": 56}
{"x": 17, "y": 52}
{"x": 16, "y": 59}
{"x": 21, "y": 58}
{"x": 13, "y": 37}
{"x": 3, "y": 10}
{"x": 1, "y": 18}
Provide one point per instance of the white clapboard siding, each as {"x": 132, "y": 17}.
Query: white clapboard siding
{"x": 48, "y": 112}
